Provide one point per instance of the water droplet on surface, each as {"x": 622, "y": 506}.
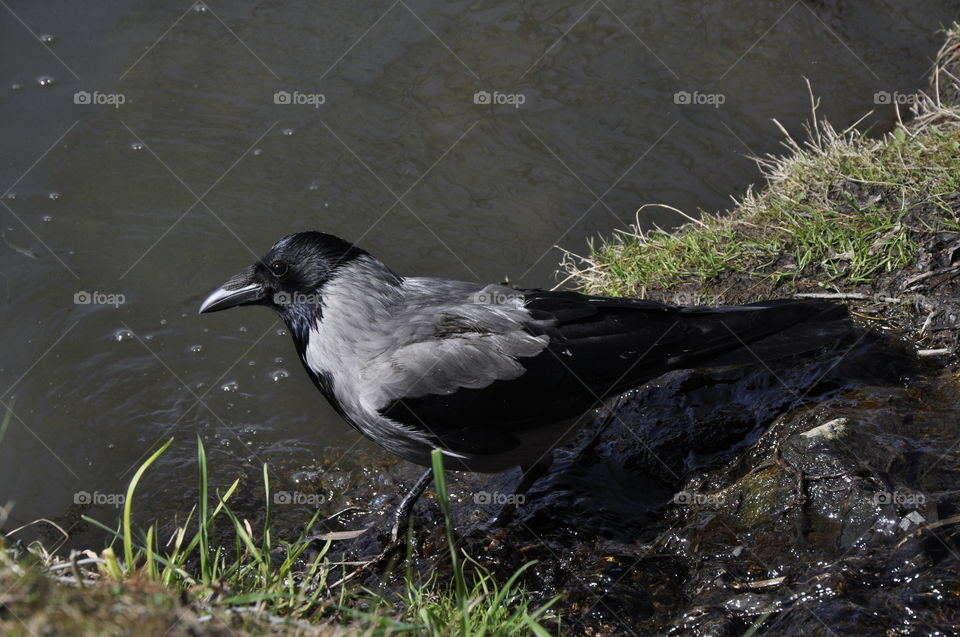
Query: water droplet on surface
{"x": 196, "y": 349}
{"x": 251, "y": 363}
{"x": 567, "y": 352}
{"x": 53, "y": 195}
{"x": 230, "y": 386}
{"x": 278, "y": 360}
{"x": 313, "y": 187}
{"x": 257, "y": 151}
{"x": 281, "y": 332}
{"x": 200, "y": 7}
{"x": 136, "y": 146}
{"x": 242, "y": 329}
{"x": 47, "y": 218}
{"x": 163, "y": 321}
{"x": 11, "y": 195}
{"x": 46, "y": 38}
{"x": 122, "y": 335}
{"x": 278, "y": 374}
{"x": 148, "y": 337}
{"x": 16, "y": 86}
{"x": 46, "y": 80}
{"x": 287, "y": 132}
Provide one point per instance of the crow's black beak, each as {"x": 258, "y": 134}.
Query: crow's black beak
{"x": 240, "y": 289}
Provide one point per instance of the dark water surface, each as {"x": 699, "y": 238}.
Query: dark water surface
{"x": 182, "y": 167}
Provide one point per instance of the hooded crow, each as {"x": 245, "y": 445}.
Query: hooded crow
{"x": 492, "y": 376}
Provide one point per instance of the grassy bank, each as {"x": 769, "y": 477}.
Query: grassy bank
{"x": 872, "y": 222}
{"x": 202, "y": 582}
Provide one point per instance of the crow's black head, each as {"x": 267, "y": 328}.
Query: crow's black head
{"x": 289, "y": 278}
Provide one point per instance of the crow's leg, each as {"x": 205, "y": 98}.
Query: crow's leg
{"x": 400, "y": 516}
{"x": 532, "y": 473}
{"x": 607, "y": 421}
{"x": 406, "y": 505}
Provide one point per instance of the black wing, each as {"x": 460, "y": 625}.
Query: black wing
{"x": 599, "y": 346}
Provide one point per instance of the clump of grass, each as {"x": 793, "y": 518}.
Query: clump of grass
{"x": 267, "y": 579}
{"x": 473, "y": 603}
{"x": 839, "y": 209}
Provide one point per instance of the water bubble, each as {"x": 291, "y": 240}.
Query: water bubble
{"x": 242, "y": 329}
{"x": 163, "y": 321}
{"x": 278, "y": 374}
{"x": 47, "y": 218}
{"x": 122, "y": 335}
{"x": 278, "y": 360}
{"x": 53, "y": 195}
{"x": 287, "y": 132}
{"x": 200, "y": 7}
{"x": 148, "y": 337}
{"x": 281, "y": 332}
{"x": 230, "y": 386}
{"x": 257, "y": 151}
{"x": 136, "y": 146}
{"x": 45, "y": 81}
{"x": 16, "y": 86}
{"x": 196, "y": 349}
{"x": 46, "y": 38}
{"x": 11, "y": 195}
{"x": 313, "y": 187}
{"x": 251, "y": 363}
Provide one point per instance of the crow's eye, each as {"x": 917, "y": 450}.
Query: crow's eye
{"x": 279, "y": 268}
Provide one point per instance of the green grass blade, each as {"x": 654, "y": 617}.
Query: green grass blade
{"x": 202, "y": 532}
{"x": 442, "y": 496}
{"x": 128, "y": 505}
